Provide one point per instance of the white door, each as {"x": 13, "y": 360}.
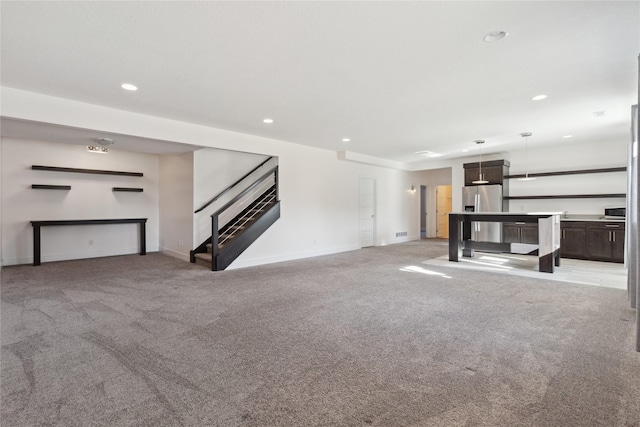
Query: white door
{"x": 367, "y": 211}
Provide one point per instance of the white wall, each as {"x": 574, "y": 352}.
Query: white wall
{"x": 319, "y": 207}
{"x": 213, "y": 171}
{"x": 318, "y": 191}
{"x": 569, "y": 156}
{"x": 176, "y": 205}
{"x": 90, "y": 197}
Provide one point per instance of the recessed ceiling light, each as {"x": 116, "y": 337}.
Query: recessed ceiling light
{"x": 538, "y": 97}
{"x": 465, "y": 150}
{"x": 427, "y": 153}
{"x": 568, "y": 136}
{"x": 128, "y": 86}
{"x": 269, "y": 121}
{"x": 494, "y": 36}
{"x": 346, "y": 139}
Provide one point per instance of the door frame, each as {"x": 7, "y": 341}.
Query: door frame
{"x": 424, "y": 212}
{"x": 374, "y": 215}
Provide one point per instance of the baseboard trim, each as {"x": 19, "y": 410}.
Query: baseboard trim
{"x": 241, "y": 263}
{"x": 175, "y": 254}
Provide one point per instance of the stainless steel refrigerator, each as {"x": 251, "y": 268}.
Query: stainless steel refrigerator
{"x": 484, "y": 198}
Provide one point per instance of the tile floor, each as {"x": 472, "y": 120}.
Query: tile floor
{"x": 607, "y": 274}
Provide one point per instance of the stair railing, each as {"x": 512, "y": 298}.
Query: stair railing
{"x": 226, "y": 190}
{"x": 266, "y": 199}
{"x": 215, "y": 217}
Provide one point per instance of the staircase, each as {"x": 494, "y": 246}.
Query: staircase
{"x": 230, "y": 240}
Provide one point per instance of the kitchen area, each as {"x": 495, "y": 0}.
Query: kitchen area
{"x": 598, "y": 235}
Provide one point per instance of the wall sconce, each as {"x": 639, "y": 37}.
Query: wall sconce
{"x": 413, "y": 188}
{"x": 99, "y": 150}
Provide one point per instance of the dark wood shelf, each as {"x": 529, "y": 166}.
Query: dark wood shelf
{"x": 570, "y": 196}
{"x": 128, "y": 189}
{"x": 573, "y": 172}
{"x": 93, "y": 171}
{"x": 50, "y": 187}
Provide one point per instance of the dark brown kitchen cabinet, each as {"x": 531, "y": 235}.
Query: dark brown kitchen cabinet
{"x": 520, "y": 232}
{"x": 573, "y": 239}
{"x": 493, "y": 174}
{"x": 510, "y": 233}
{"x": 605, "y": 241}
{"x": 492, "y": 171}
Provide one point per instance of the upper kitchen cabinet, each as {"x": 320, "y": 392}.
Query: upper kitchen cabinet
{"x": 494, "y": 171}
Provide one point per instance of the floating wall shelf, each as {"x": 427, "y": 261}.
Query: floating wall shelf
{"x": 574, "y": 172}
{"x": 570, "y": 196}
{"x": 50, "y": 187}
{"x": 128, "y": 189}
{"x": 93, "y": 171}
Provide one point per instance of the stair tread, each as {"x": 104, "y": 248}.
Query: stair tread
{"x": 204, "y": 256}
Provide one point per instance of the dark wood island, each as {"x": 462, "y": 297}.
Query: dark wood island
{"x": 461, "y": 244}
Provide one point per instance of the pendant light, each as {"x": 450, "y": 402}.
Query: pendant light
{"x": 480, "y": 179}
{"x": 526, "y": 136}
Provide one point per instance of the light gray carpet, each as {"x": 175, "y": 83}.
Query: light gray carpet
{"x": 352, "y": 339}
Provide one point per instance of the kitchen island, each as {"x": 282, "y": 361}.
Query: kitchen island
{"x": 461, "y": 243}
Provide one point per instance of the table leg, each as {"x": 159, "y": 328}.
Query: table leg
{"x": 36, "y": 245}
{"x": 466, "y": 236}
{"x": 143, "y": 238}
{"x": 455, "y": 238}
{"x": 545, "y": 263}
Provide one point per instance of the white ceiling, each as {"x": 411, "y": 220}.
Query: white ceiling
{"x": 395, "y": 77}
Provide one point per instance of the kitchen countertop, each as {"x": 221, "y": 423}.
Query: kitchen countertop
{"x": 598, "y": 218}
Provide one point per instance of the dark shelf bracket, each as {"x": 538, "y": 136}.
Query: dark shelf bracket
{"x": 50, "y": 187}
{"x": 93, "y": 171}
{"x": 128, "y": 189}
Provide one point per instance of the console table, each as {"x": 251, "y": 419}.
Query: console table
{"x": 460, "y": 243}
{"x": 38, "y": 224}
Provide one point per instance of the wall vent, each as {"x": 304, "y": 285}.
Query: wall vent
{"x": 401, "y": 233}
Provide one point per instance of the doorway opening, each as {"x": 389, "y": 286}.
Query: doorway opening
{"x": 423, "y": 211}
{"x": 443, "y": 209}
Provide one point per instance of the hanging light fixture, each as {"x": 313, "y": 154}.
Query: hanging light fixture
{"x": 526, "y": 136}
{"x": 480, "y": 179}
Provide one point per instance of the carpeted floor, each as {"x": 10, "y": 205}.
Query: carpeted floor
{"x": 370, "y": 337}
